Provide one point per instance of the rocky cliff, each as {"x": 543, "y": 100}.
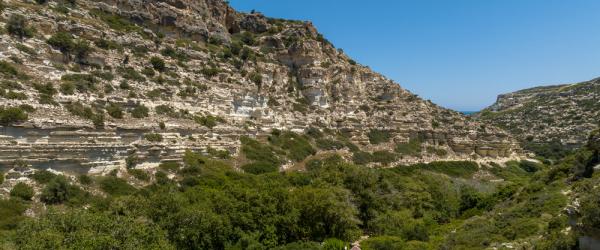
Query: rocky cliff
{"x": 95, "y": 81}
{"x": 564, "y": 113}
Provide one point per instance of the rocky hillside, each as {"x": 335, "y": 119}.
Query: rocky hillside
{"x": 562, "y": 113}
{"x": 96, "y": 81}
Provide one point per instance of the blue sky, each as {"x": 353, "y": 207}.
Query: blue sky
{"x": 462, "y": 53}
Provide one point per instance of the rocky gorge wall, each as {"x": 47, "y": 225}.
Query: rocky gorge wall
{"x": 225, "y": 74}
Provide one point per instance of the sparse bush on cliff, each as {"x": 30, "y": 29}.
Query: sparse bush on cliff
{"x": 140, "y": 111}
{"x": 158, "y": 63}
{"x": 17, "y": 26}
{"x": 8, "y": 69}
{"x": 78, "y": 109}
{"x": 153, "y": 137}
{"x": 62, "y": 41}
{"x": 377, "y": 136}
{"x": 115, "y": 110}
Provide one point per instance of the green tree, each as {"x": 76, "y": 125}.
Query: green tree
{"x": 326, "y": 212}
{"x": 22, "y": 191}
{"x": 59, "y": 190}
{"x": 62, "y": 41}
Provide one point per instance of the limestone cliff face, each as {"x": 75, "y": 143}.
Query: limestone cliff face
{"x": 564, "y": 113}
{"x": 245, "y": 73}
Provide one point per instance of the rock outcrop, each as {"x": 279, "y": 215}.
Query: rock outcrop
{"x": 201, "y": 74}
{"x": 563, "y": 113}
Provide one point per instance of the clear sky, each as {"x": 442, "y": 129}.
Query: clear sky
{"x": 462, "y": 53}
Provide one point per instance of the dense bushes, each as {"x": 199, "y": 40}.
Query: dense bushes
{"x": 22, "y": 191}
{"x": 88, "y": 230}
{"x": 260, "y": 167}
{"x": 210, "y": 205}
{"x": 115, "y": 186}
{"x": 12, "y": 115}
{"x": 43, "y": 176}
{"x": 297, "y": 146}
{"x": 59, "y": 190}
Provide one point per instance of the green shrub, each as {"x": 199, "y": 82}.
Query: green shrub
{"x": 383, "y": 243}
{"x": 173, "y": 53}
{"x": 115, "y": 110}
{"x": 254, "y": 150}
{"x": 67, "y": 88}
{"x": 129, "y": 73}
{"x": 1, "y": 177}
{"x": 22, "y": 191}
{"x": 158, "y": 63}
{"x": 63, "y": 41}
{"x": 117, "y": 22}
{"x": 377, "y": 136}
{"x": 12, "y": 115}
{"x": 384, "y": 157}
{"x": 328, "y": 144}
{"x": 166, "y": 110}
{"x": 107, "y": 44}
{"x": 335, "y": 244}
{"x": 140, "y": 111}
{"x": 260, "y": 167}
{"x": 169, "y": 166}
{"x": 153, "y": 137}
{"x": 298, "y": 146}
{"x": 43, "y": 176}
{"x": 11, "y": 95}
{"x": 437, "y": 151}
{"x": 361, "y": 157}
{"x": 149, "y": 72}
{"x": 81, "y": 49}
{"x": 208, "y": 121}
{"x": 8, "y": 69}
{"x": 139, "y": 174}
{"x": 17, "y": 26}
{"x": 58, "y": 191}
{"x": 86, "y": 112}
{"x": 463, "y": 169}
{"x": 412, "y": 148}
{"x": 84, "y": 179}
{"x": 116, "y": 187}
{"x": 256, "y": 78}
{"x": 209, "y": 72}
